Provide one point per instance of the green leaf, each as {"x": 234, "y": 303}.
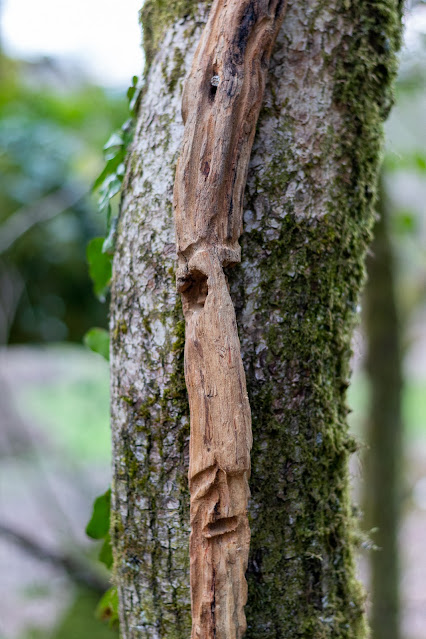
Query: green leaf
{"x": 130, "y": 93}
{"x": 109, "y": 244}
{"x": 108, "y": 212}
{"x": 100, "y": 267}
{"x": 109, "y": 169}
{"x": 98, "y": 526}
{"x": 110, "y": 187}
{"x": 127, "y": 131}
{"x": 97, "y": 339}
{"x": 107, "y": 609}
{"x": 133, "y": 104}
{"x": 132, "y": 88}
{"x": 105, "y": 553}
{"x": 114, "y": 140}
{"x": 121, "y": 168}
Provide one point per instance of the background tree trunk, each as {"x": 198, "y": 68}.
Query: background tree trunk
{"x": 308, "y": 218}
{"x": 385, "y": 430}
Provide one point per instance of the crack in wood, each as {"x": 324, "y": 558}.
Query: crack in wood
{"x": 220, "y": 107}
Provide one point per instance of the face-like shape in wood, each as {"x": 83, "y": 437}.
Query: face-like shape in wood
{"x": 219, "y": 451}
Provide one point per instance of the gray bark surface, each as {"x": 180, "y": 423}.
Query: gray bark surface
{"x": 307, "y": 222}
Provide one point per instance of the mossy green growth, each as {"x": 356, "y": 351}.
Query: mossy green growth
{"x": 120, "y": 328}
{"x": 364, "y": 88}
{"x": 301, "y": 570}
{"x": 301, "y": 574}
{"x": 156, "y": 16}
{"x": 368, "y": 63}
{"x": 178, "y": 70}
{"x": 150, "y": 542}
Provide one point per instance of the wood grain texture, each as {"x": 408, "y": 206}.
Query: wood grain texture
{"x": 221, "y": 103}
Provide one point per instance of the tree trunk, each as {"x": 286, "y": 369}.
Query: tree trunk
{"x": 384, "y": 437}
{"x": 307, "y": 222}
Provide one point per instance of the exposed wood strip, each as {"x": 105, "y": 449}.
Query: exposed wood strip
{"x": 221, "y": 103}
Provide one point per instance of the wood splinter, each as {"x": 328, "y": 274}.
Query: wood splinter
{"x": 221, "y": 103}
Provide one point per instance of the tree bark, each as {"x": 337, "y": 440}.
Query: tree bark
{"x": 221, "y": 103}
{"x": 385, "y": 429}
{"x": 308, "y": 214}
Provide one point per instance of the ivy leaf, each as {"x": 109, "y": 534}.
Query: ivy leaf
{"x": 107, "y": 609}
{"x": 133, "y": 94}
{"x": 109, "y": 169}
{"x": 120, "y": 170}
{"x": 100, "y": 267}
{"x": 105, "y": 553}
{"x": 98, "y": 526}
{"x": 109, "y": 243}
{"x": 115, "y": 140}
{"x": 130, "y": 93}
{"x": 127, "y": 131}
{"x": 110, "y": 187}
{"x": 97, "y": 339}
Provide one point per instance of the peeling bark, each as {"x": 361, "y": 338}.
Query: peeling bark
{"x": 220, "y": 106}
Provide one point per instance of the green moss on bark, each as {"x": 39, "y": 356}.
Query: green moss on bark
{"x": 153, "y": 550}
{"x": 177, "y": 71}
{"x": 301, "y": 574}
{"x": 156, "y": 16}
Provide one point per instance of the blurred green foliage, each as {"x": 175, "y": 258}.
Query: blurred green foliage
{"x": 98, "y": 526}
{"x": 79, "y": 620}
{"x": 100, "y": 267}
{"x": 97, "y": 339}
{"x": 108, "y": 185}
{"x": 50, "y": 141}
{"x": 73, "y": 407}
{"x": 108, "y": 607}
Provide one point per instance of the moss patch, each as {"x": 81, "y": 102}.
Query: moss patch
{"x": 156, "y": 16}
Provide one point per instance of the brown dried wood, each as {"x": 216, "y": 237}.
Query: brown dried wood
{"x": 221, "y": 103}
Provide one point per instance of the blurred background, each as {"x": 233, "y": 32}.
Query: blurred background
{"x": 64, "y": 72}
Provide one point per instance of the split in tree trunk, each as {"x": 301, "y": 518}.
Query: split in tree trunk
{"x": 221, "y": 103}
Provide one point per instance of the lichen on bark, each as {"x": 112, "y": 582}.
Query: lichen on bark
{"x": 308, "y": 219}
